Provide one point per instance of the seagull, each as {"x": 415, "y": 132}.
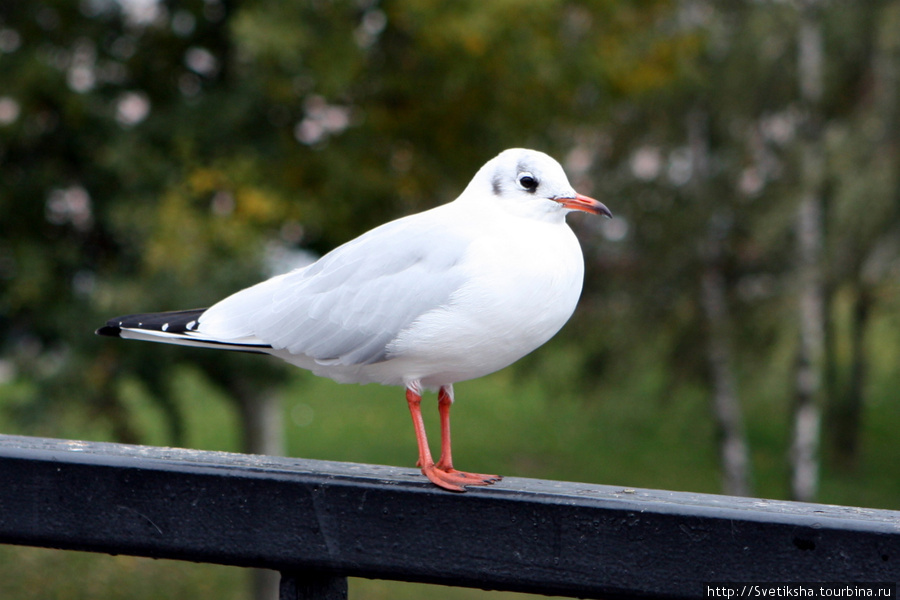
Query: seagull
{"x": 446, "y": 295}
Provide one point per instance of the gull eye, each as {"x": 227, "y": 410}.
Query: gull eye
{"x": 528, "y": 182}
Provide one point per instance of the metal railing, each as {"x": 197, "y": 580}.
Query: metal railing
{"x": 320, "y": 522}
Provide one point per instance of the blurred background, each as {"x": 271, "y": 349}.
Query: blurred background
{"x": 738, "y": 331}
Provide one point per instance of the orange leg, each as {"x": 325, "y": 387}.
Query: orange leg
{"x": 445, "y": 400}
{"x": 442, "y": 474}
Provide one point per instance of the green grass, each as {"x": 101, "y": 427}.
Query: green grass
{"x": 37, "y": 573}
{"x": 514, "y": 429}
{"x": 636, "y": 434}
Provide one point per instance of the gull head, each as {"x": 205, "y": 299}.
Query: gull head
{"x": 530, "y": 183}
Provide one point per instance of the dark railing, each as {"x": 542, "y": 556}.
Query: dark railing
{"x": 319, "y": 522}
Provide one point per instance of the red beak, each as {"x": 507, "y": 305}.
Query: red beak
{"x": 585, "y": 204}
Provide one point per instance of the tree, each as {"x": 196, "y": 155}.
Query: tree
{"x": 810, "y": 255}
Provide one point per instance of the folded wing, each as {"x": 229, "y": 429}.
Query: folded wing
{"x": 346, "y": 308}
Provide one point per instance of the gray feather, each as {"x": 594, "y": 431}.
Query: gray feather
{"x": 343, "y": 309}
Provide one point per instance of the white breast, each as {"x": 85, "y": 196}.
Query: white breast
{"x": 523, "y": 281}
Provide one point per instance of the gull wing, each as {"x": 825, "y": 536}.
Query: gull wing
{"x": 346, "y": 308}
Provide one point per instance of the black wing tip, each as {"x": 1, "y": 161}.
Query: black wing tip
{"x": 109, "y": 331}
{"x": 178, "y": 321}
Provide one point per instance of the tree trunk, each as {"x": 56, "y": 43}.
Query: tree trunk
{"x": 733, "y": 449}
{"x": 804, "y": 454}
{"x": 850, "y": 421}
{"x": 263, "y": 423}
{"x": 262, "y": 417}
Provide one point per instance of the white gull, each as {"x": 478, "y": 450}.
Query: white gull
{"x": 425, "y": 301}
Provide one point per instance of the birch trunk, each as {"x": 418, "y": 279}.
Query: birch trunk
{"x": 733, "y": 448}
{"x": 804, "y": 453}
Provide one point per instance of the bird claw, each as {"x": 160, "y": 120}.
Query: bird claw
{"x": 455, "y": 481}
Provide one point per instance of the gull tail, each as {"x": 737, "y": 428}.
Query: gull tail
{"x": 179, "y": 327}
